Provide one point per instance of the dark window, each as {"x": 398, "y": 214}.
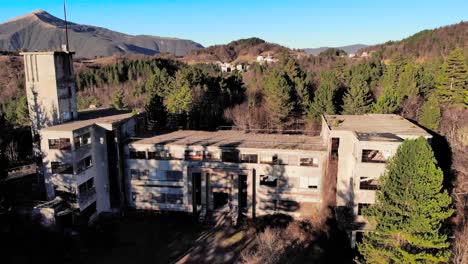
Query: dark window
{"x": 309, "y": 162}
{"x": 139, "y": 174}
{"x": 82, "y": 140}
{"x": 69, "y": 91}
{"x": 137, "y": 155}
{"x": 89, "y": 211}
{"x": 268, "y": 180}
{"x": 61, "y": 143}
{"x": 84, "y": 164}
{"x": 174, "y": 198}
{"x": 312, "y": 187}
{"x": 173, "y": 175}
{"x": 230, "y": 156}
{"x": 249, "y": 158}
{"x": 366, "y": 183}
{"x": 362, "y": 206}
{"x": 84, "y": 187}
{"x": 373, "y": 156}
{"x": 64, "y": 168}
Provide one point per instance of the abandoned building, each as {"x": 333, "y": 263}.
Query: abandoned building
{"x": 97, "y": 161}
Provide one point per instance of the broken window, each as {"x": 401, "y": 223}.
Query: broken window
{"x": 84, "y": 164}
{"x": 58, "y": 167}
{"x": 362, "y": 206}
{"x": 173, "y": 175}
{"x": 272, "y": 160}
{"x": 249, "y": 158}
{"x": 268, "y": 180}
{"x": 309, "y": 162}
{"x": 82, "y": 140}
{"x": 230, "y": 156}
{"x": 174, "y": 198}
{"x": 60, "y": 143}
{"x": 366, "y": 183}
{"x": 88, "y": 185}
{"x": 373, "y": 156}
{"x": 137, "y": 154}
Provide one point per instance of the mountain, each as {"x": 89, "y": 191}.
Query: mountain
{"x": 242, "y": 50}
{"x": 427, "y": 44}
{"x": 40, "y": 30}
{"x": 349, "y": 49}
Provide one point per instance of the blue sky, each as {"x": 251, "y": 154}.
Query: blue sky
{"x": 293, "y": 23}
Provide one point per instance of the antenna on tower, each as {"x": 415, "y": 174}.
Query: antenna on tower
{"x": 66, "y": 24}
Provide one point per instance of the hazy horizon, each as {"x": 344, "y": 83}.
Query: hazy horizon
{"x": 294, "y": 24}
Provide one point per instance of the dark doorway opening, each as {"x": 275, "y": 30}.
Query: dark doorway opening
{"x": 243, "y": 191}
{"x": 220, "y": 199}
{"x": 113, "y": 170}
{"x": 196, "y": 179}
{"x": 335, "y": 146}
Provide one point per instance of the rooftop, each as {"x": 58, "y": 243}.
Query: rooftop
{"x": 102, "y": 116}
{"x": 375, "y": 126}
{"x": 234, "y": 138}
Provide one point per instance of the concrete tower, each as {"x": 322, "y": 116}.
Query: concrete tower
{"x": 50, "y": 88}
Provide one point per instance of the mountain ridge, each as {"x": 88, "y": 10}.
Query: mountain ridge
{"x": 40, "y": 30}
{"x": 348, "y": 49}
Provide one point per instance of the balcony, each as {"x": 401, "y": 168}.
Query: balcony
{"x": 87, "y": 196}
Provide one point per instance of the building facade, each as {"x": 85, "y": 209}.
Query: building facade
{"x": 252, "y": 174}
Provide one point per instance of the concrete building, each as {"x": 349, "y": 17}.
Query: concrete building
{"x": 254, "y": 174}
{"x": 83, "y": 161}
{"x": 359, "y": 147}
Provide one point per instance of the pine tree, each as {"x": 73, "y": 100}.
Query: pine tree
{"x": 324, "y": 96}
{"x": 409, "y": 211}
{"x": 387, "y": 103}
{"x": 454, "y": 79}
{"x": 430, "y": 113}
{"x": 277, "y": 98}
{"x": 156, "y": 115}
{"x": 118, "y": 101}
{"x": 358, "y": 99}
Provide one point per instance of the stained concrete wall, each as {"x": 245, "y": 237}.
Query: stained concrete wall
{"x": 50, "y": 88}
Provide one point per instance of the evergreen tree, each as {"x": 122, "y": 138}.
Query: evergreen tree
{"x": 453, "y": 80}
{"x": 156, "y": 115}
{"x": 277, "y": 98}
{"x": 358, "y": 98}
{"x": 118, "y": 101}
{"x": 324, "y": 96}
{"x": 387, "y": 103}
{"x": 409, "y": 211}
{"x": 22, "y": 112}
{"x": 430, "y": 113}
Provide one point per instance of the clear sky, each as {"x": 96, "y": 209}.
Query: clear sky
{"x": 293, "y": 23}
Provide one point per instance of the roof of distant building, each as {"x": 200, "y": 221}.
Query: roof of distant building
{"x": 100, "y": 116}
{"x": 375, "y": 126}
{"x": 235, "y": 139}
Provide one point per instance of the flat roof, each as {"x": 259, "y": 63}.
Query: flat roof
{"x": 90, "y": 117}
{"x": 46, "y": 52}
{"x": 375, "y": 126}
{"x": 235, "y": 139}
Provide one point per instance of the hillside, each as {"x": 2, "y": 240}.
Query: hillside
{"x": 348, "y": 49}
{"x": 242, "y": 50}
{"x": 40, "y": 30}
{"x": 427, "y": 44}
